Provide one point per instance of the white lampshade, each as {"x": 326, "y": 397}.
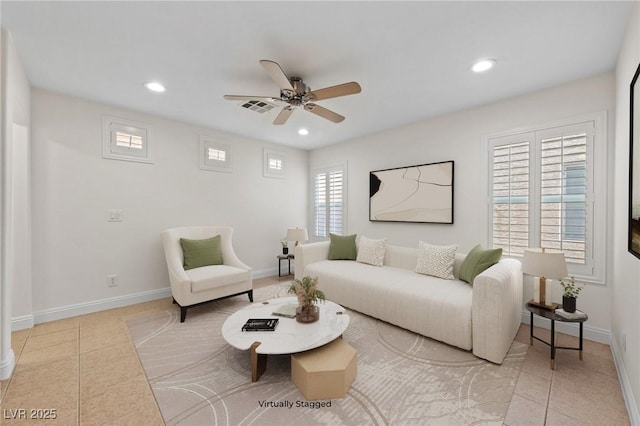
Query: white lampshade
{"x": 544, "y": 263}
{"x": 297, "y": 234}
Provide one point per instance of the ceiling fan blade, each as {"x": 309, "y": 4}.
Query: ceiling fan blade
{"x": 284, "y": 115}
{"x": 251, "y": 98}
{"x": 276, "y": 74}
{"x": 334, "y": 91}
{"x": 324, "y": 113}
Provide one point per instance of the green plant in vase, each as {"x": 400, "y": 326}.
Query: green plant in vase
{"x": 570, "y": 292}
{"x": 285, "y": 246}
{"x": 308, "y": 296}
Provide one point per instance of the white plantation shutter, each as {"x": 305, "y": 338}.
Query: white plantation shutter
{"x": 563, "y": 195}
{"x": 328, "y": 201}
{"x": 126, "y": 140}
{"x": 510, "y": 196}
{"x": 541, "y": 193}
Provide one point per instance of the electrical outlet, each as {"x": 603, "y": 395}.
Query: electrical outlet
{"x": 111, "y": 280}
{"x": 624, "y": 342}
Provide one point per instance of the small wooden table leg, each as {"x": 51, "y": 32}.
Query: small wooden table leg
{"x": 258, "y": 362}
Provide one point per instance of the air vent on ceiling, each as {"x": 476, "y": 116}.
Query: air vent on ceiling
{"x": 258, "y": 106}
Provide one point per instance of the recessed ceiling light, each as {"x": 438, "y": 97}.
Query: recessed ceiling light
{"x": 154, "y": 86}
{"x": 484, "y": 65}
{"x": 303, "y": 132}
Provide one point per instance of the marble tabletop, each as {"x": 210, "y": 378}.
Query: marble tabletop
{"x": 290, "y": 336}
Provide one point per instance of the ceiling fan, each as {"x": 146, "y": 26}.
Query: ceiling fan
{"x": 295, "y": 93}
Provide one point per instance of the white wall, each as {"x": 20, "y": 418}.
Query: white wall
{"x": 625, "y": 315}
{"x": 75, "y": 247}
{"x": 15, "y": 286}
{"x": 458, "y": 136}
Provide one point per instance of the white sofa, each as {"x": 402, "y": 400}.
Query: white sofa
{"x": 484, "y": 317}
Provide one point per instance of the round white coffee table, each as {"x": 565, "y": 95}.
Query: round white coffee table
{"x": 290, "y": 336}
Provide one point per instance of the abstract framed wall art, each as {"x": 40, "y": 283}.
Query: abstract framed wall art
{"x": 418, "y": 194}
{"x": 634, "y": 166}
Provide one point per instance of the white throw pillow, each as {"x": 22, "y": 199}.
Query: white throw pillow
{"x": 371, "y": 251}
{"x": 436, "y": 260}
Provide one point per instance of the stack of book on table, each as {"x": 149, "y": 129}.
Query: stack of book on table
{"x": 570, "y": 315}
{"x": 260, "y": 324}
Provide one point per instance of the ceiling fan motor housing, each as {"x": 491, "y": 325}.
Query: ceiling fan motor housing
{"x": 295, "y": 97}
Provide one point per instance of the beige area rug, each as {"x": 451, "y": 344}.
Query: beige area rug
{"x": 403, "y": 378}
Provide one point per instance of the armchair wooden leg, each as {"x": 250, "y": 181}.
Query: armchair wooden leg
{"x": 250, "y": 294}
{"x": 183, "y": 313}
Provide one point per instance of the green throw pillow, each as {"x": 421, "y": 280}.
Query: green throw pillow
{"x": 342, "y": 247}
{"x": 477, "y": 261}
{"x": 199, "y": 253}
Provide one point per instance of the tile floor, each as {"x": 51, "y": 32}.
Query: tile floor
{"x": 86, "y": 369}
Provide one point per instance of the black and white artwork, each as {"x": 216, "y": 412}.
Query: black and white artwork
{"x": 422, "y": 194}
{"x": 634, "y": 167}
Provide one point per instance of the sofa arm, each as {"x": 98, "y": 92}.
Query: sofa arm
{"x": 496, "y": 309}
{"x": 309, "y": 253}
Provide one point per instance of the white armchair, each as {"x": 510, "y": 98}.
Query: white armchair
{"x": 205, "y": 283}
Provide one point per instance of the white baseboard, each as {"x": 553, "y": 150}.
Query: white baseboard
{"x": 595, "y": 334}
{"x": 22, "y": 323}
{"x": 263, "y": 273}
{"x": 93, "y": 306}
{"x": 28, "y": 321}
{"x": 7, "y": 365}
{"x": 627, "y": 392}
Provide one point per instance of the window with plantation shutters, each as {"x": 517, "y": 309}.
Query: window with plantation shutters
{"x": 510, "y": 197}
{"x": 328, "y": 201}
{"x": 542, "y": 192}
{"x": 124, "y": 139}
{"x": 215, "y": 155}
{"x": 563, "y": 195}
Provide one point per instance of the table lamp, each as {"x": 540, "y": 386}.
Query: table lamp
{"x": 543, "y": 263}
{"x": 297, "y": 234}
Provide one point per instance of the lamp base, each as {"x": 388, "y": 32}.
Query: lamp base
{"x": 551, "y": 307}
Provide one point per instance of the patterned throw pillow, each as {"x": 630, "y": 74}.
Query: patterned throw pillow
{"x": 371, "y": 251}
{"x": 436, "y": 260}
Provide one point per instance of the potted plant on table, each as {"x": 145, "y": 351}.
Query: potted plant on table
{"x": 570, "y": 291}
{"x": 308, "y": 296}
{"x": 285, "y": 246}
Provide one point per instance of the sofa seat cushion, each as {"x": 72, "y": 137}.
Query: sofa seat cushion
{"x": 214, "y": 276}
{"x": 431, "y": 306}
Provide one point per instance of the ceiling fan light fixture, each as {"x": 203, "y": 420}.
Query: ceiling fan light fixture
{"x": 303, "y": 132}
{"x": 483, "y": 65}
{"x": 154, "y": 86}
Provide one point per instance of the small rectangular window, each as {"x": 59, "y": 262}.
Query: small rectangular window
{"x": 274, "y": 164}
{"x": 129, "y": 141}
{"x": 215, "y": 155}
{"x": 125, "y": 140}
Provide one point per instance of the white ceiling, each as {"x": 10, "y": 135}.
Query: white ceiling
{"x": 412, "y": 59}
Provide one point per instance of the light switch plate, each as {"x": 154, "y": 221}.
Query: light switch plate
{"x": 114, "y": 215}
